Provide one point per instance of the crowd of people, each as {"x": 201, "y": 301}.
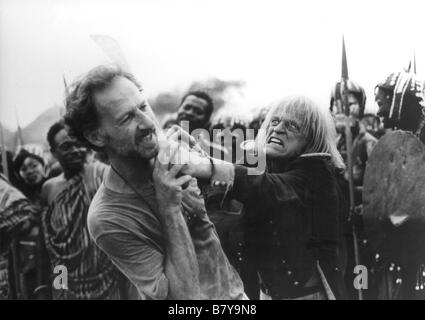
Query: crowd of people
{"x": 127, "y": 221}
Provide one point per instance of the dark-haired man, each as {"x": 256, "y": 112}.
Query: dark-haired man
{"x": 196, "y": 108}
{"x": 401, "y": 103}
{"x": 150, "y": 220}
{"x": 194, "y": 115}
{"x": 398, "y": 257}
{"x": 91, "y": 275}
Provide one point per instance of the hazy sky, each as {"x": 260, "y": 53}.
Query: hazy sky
{"x": 277, "y": 47}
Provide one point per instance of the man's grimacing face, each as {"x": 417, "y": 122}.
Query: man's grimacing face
{"x": 284, "y": 138}
{"x": 127, "y": 122}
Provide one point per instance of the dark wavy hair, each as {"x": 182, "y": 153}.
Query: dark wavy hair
{"x": 81, "y": 115}
{"x": 53, "y": 130}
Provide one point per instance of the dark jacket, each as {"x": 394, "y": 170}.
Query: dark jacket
{"x": 292, "y": 221}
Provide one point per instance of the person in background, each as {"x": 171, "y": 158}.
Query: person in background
{"x": 363, "y": 141}
{"x": 33, "y": 256}
{"x": 397, "y": 255}
{"x": 196, "y": 107}
{"x": 30, "y": 168}
{"x": 400, "y": 98}
{"x": 91, "y": 274}
{"x": 16, "y": 220}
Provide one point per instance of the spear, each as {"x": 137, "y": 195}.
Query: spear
{"x": 3, "y": 153}
{"x": 65, "y": 85}
{"x": 349, "y": 142}
{"x": 414, "y": 62}
{"x": 19, "y": 137}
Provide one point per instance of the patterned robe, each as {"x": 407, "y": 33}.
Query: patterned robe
{"x": 15, "y": 212}
{"x": 91, "y": 275}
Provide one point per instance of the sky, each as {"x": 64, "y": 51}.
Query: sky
{"x": 276, "y": 47}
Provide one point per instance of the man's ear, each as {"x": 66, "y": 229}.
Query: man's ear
{"x": 95, "y": 137}
{"x": 53, "y": 152}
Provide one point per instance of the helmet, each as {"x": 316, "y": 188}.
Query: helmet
{"x": 402, "y": 85}
{"x": 352, "y": 87}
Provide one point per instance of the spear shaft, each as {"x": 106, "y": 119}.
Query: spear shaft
{"x": 349, "y": 143}
{"x": 4, "y": 153}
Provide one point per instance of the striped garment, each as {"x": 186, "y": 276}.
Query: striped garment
{"x": 91, "y": 275}
{"x": 15, "y": 210}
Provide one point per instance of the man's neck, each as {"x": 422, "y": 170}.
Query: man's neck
{"x": 129, "y": 173}
{"x": 70, "y": 173}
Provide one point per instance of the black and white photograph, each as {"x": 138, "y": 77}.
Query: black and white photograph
{"x": 212, "y": 150}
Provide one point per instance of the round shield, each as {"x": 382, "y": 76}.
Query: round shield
{"x": 394, "y": 181}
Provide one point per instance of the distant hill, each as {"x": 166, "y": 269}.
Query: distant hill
{"x": 36, "y": 131}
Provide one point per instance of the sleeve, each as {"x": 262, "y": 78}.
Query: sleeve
{"x": 94, "y": 176}
{"x": 16, "y": 215}
{"x": 268, "y": 188}
{"x": 140, "y": 262}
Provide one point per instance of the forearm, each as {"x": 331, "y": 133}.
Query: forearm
{"x": 181, "y": 265}
{"x": 207, "y": 168}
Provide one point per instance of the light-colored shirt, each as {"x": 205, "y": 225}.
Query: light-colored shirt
{"x": 124, "y": 226}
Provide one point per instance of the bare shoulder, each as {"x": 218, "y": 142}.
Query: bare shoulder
{"x": 51, "y": 187}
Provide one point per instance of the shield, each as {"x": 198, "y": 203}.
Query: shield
{"x": 394, "y": 182}
{"x": 394, "y": 215}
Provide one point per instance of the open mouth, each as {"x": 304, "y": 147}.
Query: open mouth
{"x": 274, "y": 140}
{"x": 146, "y": 135}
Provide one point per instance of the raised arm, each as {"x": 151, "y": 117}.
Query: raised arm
{"x": 181, "y": 266}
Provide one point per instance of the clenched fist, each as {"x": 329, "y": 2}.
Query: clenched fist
{"x": 168, "y": 186}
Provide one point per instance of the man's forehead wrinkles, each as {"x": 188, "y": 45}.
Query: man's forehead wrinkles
{"x": 120, "y": 104}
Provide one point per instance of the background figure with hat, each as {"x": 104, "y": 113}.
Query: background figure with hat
{"x": 362, "y": 145}
{"x": 16, "y": 220}
{"x": 401, "y": 103}
{"x": 393, "y": 205}
{"x": 363, "y": 141}
{"x": 29, "y": 166}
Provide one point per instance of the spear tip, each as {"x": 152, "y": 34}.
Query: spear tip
{"x": 344, "y": 66}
